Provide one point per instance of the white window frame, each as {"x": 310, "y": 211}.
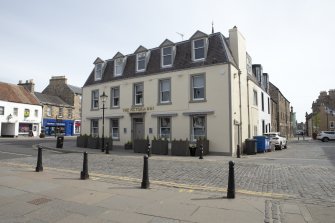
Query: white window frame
{"x": 98, "y": 71}
{"x": 36, "y": 113}
{"x": 138, "y": 94}
{"x": 60, "y": 112}
{"x": 166, "y": 55}
{"x": 255, "y": 98}
{"x": 95, "y": 99}
{"x": 2, "y": 110}
{"x": 194, "y": 48}
{"x": 115, "y": 97}
{"x": 118, "y": 63}
{"x": 193, "y": 88}
{"x": 160, "y": 128}
{"x": 15, "y": 112}
{"x": 49, "y": 111}
{"x": 161, "y": 91}
{"x": 141, "y": 57}
{"x": 69, "y": 112}
{"x": 193, "y": 127}
{"x": 94, "y": 127}
{"x": 115, "y": 130}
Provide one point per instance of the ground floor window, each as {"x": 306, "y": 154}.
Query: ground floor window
{"x": 77, "y": 125}
{"x": 165, "y": 128}
{"x": 25, "y": 127}
{"x": 198, "y": 127}
{"x": 95, "y": 127}
{"x": 115, "y": 129}
{"x": 332, "y": 124}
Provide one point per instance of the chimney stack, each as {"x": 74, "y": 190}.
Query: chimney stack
{"x": 29, "y": 85}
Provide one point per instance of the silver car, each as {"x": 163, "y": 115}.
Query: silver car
{"x": 325, "y": 136}
{"x": 277, "y": 140}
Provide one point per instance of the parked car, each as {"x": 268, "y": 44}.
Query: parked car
{"x": 325, "y": 136}
{"x": 277, "y": 140}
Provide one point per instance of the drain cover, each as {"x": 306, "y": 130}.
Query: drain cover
{"x": 39, "y": 201}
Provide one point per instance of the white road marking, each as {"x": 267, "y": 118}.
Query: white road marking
{"x": 20, "y": 154}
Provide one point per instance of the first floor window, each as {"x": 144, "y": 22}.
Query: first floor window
{"x": 48, "y": 111}
{"x": 332, "y": 124}
{"x": 165, "y": 128}
{"x": 69, "y": 112}
{"x": 198, "y": 87}
{"x": 2, "y": 110}
{"x": 60, "y": 112}
{"x": 36, "y": 113}
{"x": 95, "y": 99}
{"x": 15, "y": 111}
{"x": 138, "y": 94}
{"x": 115, "y": 129}
{"x": 198, "y": 127}
{"x": 164, "y": 91}
{"x": 95, "y": 127}
{"x": 115, "y": 97}
{"x": 255, "y": 98}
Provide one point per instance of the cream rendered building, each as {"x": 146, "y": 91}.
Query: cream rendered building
{"x": 191, "y": 89}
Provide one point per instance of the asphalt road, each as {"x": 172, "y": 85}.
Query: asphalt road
{"x": 11, "y": 148}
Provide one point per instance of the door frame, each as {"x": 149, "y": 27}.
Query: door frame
{"x": 133, "y": 117}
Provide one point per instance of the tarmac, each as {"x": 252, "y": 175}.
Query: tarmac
{"x": 59, "y": 195}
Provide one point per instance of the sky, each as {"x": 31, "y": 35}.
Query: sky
{"x": 293, "y": 40}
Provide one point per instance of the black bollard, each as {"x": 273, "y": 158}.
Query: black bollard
{"x": 238, "y": 151}
{"x": 84, "y": 174}
{"x": 149, "y": 150}
{"x": 201, "y": 152}
{"x": 107, "y": 148}
{"x": 39, "y": 167}
{"x": 145, "y": 179}
{"x": 231, "y": 181}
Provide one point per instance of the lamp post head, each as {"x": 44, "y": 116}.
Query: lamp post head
{"x": 103, "y": 97}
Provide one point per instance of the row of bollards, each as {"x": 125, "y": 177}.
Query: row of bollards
{"x": 145, "y": 178}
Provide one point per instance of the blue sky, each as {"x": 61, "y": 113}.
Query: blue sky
{"x": 293, "y": 40}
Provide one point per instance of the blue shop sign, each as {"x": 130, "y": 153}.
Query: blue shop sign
{"x": 55, "y": 124}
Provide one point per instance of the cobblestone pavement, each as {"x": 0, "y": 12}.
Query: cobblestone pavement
{"x": 304, "y": 172}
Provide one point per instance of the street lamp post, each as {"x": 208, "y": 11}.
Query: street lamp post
{"x": 103, "y": 98}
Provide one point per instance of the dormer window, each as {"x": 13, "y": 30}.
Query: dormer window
{"x": 167, "y": 56}
{"x": 140, "y": 61}
{"x": 118, "y": 67}
{"x": 98, "y": 71}
{"x": 199, "y": 49}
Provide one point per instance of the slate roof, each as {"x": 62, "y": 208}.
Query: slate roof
{"x": 76, "y": 90}
{"x": 17, "y": 94}
{"x": 274, "y": 91}
{"x": 50, "y": 99}
{"x": 218, "y": 53}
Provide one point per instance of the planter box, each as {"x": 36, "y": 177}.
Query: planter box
{"x": 82, "y": 141}
{"x": 160, "y": 147}
{"x": 205, "y": 144}
{"x": 93, "y": 142}
{"x": 140, "y": 145}
{"x": 180, "y": 148}
{"x": 128, "y": 146}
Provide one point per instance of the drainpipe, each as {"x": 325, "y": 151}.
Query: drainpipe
{"x": 248, "y": 108}
{"x": 240, "y": 95}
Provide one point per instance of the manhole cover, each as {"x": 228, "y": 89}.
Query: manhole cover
{"x": 39, "y": 201}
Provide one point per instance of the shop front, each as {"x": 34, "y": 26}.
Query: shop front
{"x": 53, "y": 127}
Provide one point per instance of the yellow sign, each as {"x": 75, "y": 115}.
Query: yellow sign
{"x": 138, "y": 109}
{"x": 26, "y": 112}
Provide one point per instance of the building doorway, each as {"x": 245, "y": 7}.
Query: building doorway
{"x": 138, "y": 128}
